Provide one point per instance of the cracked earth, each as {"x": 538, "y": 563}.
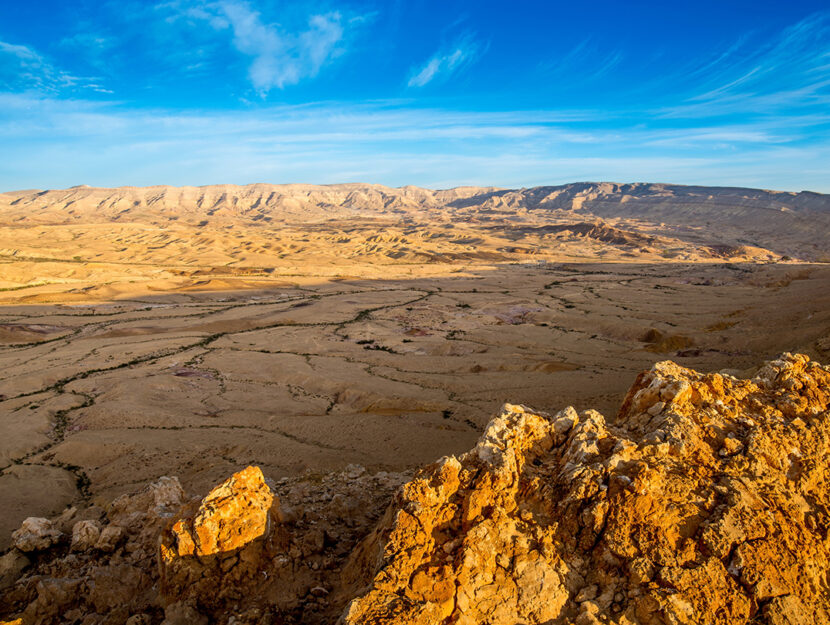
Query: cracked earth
{"x": 313, "y": 373}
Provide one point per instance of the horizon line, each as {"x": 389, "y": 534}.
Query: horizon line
{"x": 377, "y": 184}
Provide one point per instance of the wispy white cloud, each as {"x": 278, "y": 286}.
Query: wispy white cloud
{"x": 787, "y": 72}
{"x": 279, "y": 57}
{"x": 585, "y": 62}
{"x": 24, "y": 54}
{"x": 89, "y": 41}
{"x": 50, "y": 142}
{"x": 24, "y": 68}
{"x": 445, "y": 62}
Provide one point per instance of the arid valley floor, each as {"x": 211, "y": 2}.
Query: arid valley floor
{"x": 192, "y": 332}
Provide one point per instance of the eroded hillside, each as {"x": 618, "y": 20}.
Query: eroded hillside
{"x": 63, "y": 243}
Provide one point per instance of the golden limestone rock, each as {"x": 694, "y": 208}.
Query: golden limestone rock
{"x": 232, "y": 515}
{"x": 220, "y": 542}
{"x": 706, "y": 501}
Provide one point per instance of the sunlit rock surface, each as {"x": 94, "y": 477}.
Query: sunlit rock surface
{"x": 705, "y": 502}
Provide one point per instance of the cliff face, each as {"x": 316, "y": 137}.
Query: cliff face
{"x": 704, "y": 501}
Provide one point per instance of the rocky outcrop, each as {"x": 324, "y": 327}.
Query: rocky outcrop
{"x": 705, "y": 500}
{"x": 100, "y": 562}
{"x": 222, "y": 543}
{"x": 233, "y": 515}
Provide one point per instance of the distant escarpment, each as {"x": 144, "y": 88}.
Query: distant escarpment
{"x": 744, "y": 223}
{"x": 705, "y": 500}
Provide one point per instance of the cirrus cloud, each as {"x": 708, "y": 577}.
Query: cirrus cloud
{"x": 446, "y": 62}
{"x": 24, "y": 68}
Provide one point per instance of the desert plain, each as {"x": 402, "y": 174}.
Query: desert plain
{"x": 194, "y": 331}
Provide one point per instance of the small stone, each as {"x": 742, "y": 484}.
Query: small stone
{"x": 288, "y": 514}
{"x": 168, "y": 494}
{"x": 66, "y": 520}
{"x": 12, "y": 565}
{"x": 180, "y": 613}
{"x": 641, "y": 571}
{"x": 35, "y": 534}
{"x": 565, "y": 420}
{"x": 110, "y": 536}
{"x": 343, "y": 506}
{"x": 85, "y": 534}
{"x": 587, "y": 593}
{"x": 354, "y": 471}
{"x": 95, "y": 513}
{"x": 587, "y": 616}
{"x": 314, "y": 542}
{"x": 731, "y": 446}
{"x": 656, "y": 409}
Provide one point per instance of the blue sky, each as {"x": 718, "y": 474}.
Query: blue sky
{"x": 435, "y": 94}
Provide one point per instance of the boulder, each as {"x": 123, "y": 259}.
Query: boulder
{"x": 212, "y": 544}
{"x": 85, "y": 535}
{"x": 35, "y": 534}
{"x": 231, "y": 516}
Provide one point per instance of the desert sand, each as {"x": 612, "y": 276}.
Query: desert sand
{"x": 193, "y": 331}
